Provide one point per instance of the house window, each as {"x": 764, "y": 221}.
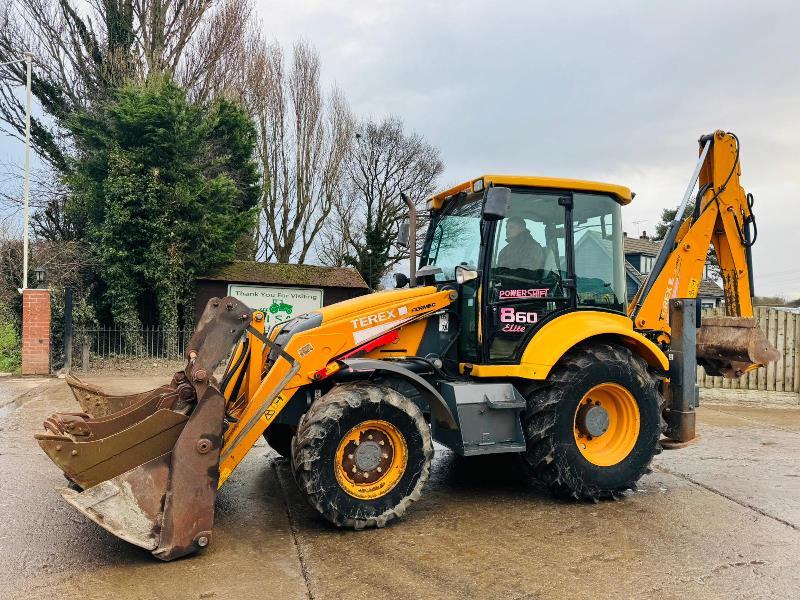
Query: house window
{"x": 646, "y": 264}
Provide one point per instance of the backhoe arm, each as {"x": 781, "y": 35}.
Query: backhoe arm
{"x": 722, "y": 217}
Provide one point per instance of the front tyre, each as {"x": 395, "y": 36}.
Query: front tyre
{"x": 594, "y": 428}
{"x": 362, "y": 455}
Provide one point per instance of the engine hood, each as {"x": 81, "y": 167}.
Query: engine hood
{"x": 348, "y": 309}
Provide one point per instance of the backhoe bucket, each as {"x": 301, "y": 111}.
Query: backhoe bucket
{"x": 146, "y": 466}
{"x": 732, "y": 346}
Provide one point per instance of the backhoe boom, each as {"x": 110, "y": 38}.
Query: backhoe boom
{"x": 721, "y": 218}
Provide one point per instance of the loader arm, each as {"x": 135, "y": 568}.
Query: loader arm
{"x": 303, "y": 351}
{"x": 147, "y": 466}
{"x": 722, "y": 218}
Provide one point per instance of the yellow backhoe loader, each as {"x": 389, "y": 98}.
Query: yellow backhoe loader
{"x": 513, "y": 336}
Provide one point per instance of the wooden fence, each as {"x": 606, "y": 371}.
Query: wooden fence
{"x": 782, "y": 327}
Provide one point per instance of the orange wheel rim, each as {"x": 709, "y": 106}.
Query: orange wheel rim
{"x": 371, "y": 459}
{"x": 606, "y": 424}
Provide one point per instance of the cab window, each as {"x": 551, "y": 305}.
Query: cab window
{"x": 599, "y": 258}
{"x": 528, "y": 266}
{"x": 456, "y": 238}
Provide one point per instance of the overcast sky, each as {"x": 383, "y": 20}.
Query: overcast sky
{"x": 612, "y": 91}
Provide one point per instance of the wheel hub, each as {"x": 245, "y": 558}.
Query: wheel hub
{"x": 607, "y": 424}
{"x": 367, "y": 456}
{"x": 592, "y": 420}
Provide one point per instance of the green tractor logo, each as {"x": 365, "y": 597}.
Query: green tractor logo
{"x": 278, "y": 306}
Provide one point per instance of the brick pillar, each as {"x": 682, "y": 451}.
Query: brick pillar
{"x": 36, "y": 332}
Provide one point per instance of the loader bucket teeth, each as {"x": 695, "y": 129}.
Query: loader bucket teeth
{"x": 97, "y": 403}
{"x": 731, "y": 346}
{"x": 148, "y": 463}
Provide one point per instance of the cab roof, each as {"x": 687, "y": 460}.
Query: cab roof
{"x": 622, "y": 194}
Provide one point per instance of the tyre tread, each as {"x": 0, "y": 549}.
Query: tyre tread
{"x": 323, "y": 416}
{"x": 540, "y": 419}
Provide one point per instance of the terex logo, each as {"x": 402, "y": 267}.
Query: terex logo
{"x": 377, "y": 318}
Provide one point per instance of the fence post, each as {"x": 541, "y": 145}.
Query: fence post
{"x": 67, "y": 329}
{"x": 85, "y": 350}
{"x": 797, "y": 355}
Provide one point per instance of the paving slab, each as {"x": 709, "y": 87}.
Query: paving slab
{"x": 478, "y": 532}
{"x": 12, "y": 387}
{"x": 748, "y": 454}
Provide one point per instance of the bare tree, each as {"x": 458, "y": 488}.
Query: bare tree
{"x": 63, "y": 262}
{"x": 304, "y": 140}
{"x": 48, "y": 201}
{"x": 385, "y": 161}
{"x": 85, "y": 49}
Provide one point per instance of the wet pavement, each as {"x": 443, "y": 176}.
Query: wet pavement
{"x": 719, "y": 519}
{"x": 12, "y": 388}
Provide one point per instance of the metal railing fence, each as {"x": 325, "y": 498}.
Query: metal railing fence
{"x": 101, "y": 345}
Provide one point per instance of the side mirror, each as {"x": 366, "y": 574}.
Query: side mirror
{"x": 495, "y": 204}
{"x": 465, "y": 273}
{"x": 401, "y": 280}
{"x": 404, "y": 234}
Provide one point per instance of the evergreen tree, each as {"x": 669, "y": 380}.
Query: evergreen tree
{"x": 165, "y": 189}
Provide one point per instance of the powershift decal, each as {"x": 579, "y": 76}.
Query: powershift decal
{"x": 531, "y": 293}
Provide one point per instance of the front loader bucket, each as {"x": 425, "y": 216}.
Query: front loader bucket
{"x": 732, "y": 346}
{"x": 97, "y": 403}
{"x": 146, "y": 466}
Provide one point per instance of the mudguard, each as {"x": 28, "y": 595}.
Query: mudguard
{"x": 439, "y": 409}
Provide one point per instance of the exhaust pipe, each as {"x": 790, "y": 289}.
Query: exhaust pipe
{"x": 412, "y": 239}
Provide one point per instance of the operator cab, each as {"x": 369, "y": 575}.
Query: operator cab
{"x": 522, "y": 251}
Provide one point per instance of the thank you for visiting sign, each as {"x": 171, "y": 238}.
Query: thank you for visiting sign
{"x": 277, "y": 303}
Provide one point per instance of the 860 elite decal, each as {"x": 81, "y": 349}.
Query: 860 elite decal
{"x": 515, "y": 321}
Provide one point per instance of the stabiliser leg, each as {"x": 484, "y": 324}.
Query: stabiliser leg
{"x": 684, "y": 394}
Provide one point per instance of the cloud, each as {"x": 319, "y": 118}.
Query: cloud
{"x": 611, "y": 91}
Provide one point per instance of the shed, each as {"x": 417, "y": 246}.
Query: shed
{"x": 281, "y": 290}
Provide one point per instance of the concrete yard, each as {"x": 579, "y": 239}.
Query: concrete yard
{"x": 719, "y": 519}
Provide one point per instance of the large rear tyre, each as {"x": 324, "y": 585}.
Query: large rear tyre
{"x": 593, "y": 430}
{"x": 362, "y": 455}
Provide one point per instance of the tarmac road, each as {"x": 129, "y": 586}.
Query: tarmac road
{"x": 720, "y": 519}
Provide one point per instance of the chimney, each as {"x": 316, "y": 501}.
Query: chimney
{"x": 644, "y": 236}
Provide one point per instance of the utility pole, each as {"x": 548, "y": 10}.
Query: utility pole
{"x": 26, "y": 194}
{"x": 369, "y": 259}
{"x": 26, "y": 190}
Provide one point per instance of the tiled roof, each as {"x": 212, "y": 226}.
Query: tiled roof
{"x": 244, "y": 271}
{"x": 633, "y": 245}
{"x": 708, "y": 288}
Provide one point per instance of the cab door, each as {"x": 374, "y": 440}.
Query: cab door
{"x": 529, "y": 267}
